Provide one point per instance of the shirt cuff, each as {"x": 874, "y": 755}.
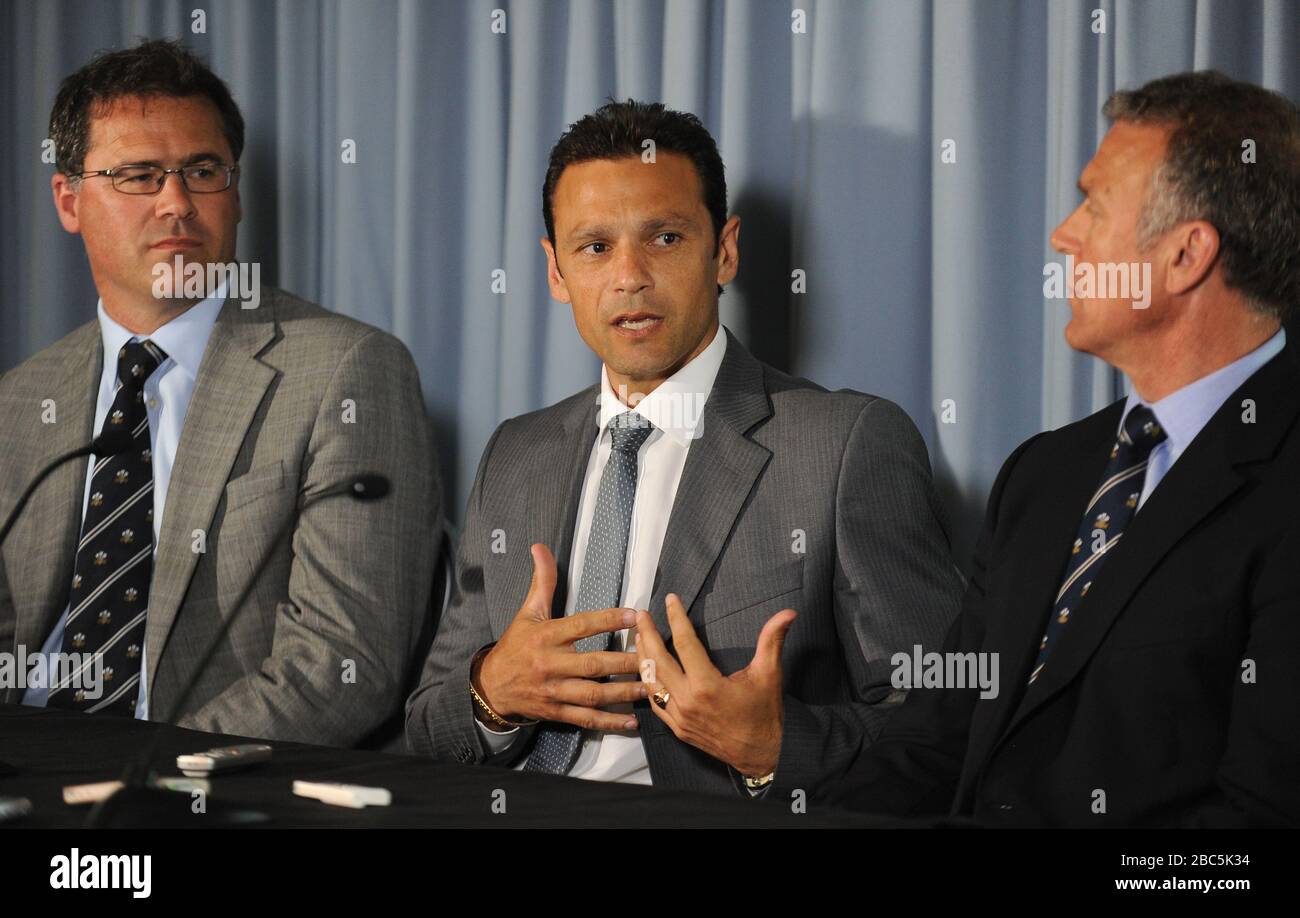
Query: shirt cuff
{"x": 498, "y": 741}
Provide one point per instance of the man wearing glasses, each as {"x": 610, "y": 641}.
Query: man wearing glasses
{"x": 216, "y": 547}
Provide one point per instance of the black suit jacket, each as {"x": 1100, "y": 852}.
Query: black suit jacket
{"x": 1173, "y": 697}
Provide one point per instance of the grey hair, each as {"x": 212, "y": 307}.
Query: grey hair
{"x": 1254, "y": 205}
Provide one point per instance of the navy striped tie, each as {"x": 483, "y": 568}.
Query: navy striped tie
{"x": 1109, "y": 511}
{"x": 110, "y": 582}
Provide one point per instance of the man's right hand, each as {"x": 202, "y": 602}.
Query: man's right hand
{"x": 535, "y": 673}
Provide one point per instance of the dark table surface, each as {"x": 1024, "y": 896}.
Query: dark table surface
{"x": 47, "y": 750}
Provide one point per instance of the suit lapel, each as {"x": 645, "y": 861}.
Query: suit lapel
{"x": 721, "y": 469}
{"x": 52, "y": 520}
{"x": 560, "y": 460}
{"x": 1039, "y": 552}
{"x": 230, "y": 385}
{"x": 1203, "y": 478}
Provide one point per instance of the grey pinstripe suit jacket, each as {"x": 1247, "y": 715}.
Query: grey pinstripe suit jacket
{"x": 776, "y": 455}
{"x": 265, "y": 430}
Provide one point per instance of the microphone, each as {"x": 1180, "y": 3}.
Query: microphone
{"x": 109, "y": 443}
{"x": 162, "y": 807}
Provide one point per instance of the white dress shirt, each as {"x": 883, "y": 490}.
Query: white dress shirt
{"x": 674, "y": 408}
{"x": 167, "y": 397}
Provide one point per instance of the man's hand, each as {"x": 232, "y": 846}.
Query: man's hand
{"x": 534, "y": 672}
{"x": 736, "y": 718}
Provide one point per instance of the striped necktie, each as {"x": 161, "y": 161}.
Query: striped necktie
{"x": 110, "y": 582}
{"x": 1109, "y": 511}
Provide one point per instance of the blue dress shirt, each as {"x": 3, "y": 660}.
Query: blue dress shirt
{"x": 1185, "y": 412}
{"x": 167, "y": 397}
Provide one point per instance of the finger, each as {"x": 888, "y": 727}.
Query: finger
{"x": 767, "y": 655}
{"x": 541, "y": 590}
{"x": 597, "y": 663}
{"x": 584, "y": 624}
{"x": 588, "y": 694}
{"x": 695, "y": 659}
{"x": 590, "y": 718}
{"x": 657, "y": 664}
{"x": 665, "y": 713}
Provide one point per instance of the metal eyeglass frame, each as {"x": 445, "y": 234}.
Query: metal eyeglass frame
{"x": 162, "y": 179}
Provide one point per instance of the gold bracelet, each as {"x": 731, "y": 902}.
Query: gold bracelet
{"x": 482, "y": 703}
{"x": 759, "y": 783}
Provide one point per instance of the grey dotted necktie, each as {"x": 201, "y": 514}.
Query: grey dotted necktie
{"x": 556, "y": 746}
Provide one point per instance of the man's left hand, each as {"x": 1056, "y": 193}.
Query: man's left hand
{"x": 736, "y": 718}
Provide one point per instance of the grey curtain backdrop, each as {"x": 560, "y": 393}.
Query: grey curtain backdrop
{"x": 924, "y": 278}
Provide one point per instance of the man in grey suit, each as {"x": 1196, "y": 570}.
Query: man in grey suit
{"x": 696, "y": 483}
{"x": 226, "y": 507}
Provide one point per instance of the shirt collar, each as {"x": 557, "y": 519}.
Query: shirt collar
{"x": 677, "y": 404}
{"x": 184, "y": 338}
{"x": 1185, "y": 412}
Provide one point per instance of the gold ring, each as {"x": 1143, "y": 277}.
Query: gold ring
{"x": 661, "y": 698}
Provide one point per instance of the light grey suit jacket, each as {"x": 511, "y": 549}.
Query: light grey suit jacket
{"x": 265, "y": 430}
{"x": 779, "y": 461}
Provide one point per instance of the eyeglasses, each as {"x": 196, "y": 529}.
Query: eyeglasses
{"x": 200, "y": 178}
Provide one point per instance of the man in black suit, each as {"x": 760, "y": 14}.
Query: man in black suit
{"x": 1138, "y": 575}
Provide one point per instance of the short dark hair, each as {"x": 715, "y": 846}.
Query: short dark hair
{"x": 1254, "y": 205}
{"x": 618, "y": 129}
{"x": 151, "y": 68}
